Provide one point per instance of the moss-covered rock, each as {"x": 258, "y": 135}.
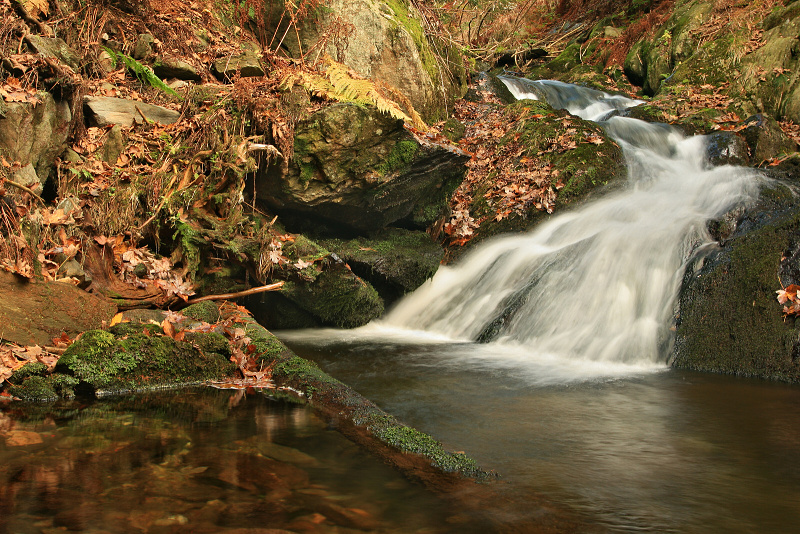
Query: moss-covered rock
{"x": 39, "y": 388}
{"x": 545, "y": 135}
{"x": 387, "y": 43}
{"x": 357, "y": 170}
{"x": 354, "y": 415}
{"x": 730, "y": 321}
{"x": 141, "y": 360}
{"x": 394, "y": 262}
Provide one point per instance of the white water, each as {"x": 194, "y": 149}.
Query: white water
{"x": 598, "y": 283}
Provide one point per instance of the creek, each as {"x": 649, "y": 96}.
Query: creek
{"x": 545, "y": 355}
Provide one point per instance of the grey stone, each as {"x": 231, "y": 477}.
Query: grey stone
{"x": 108, "y": 110}
{"x": 175, "y": 68}
{"x": 113, "y": 145}
{"x": 105, "y": 62}
{"x": 35, "y": 134}
{"x": 54, "y": 47}
{"x": 246, "y": 65}
{"x": 27, "y": 176}
{"x": 610, "y": 32}
{"x": 143, "y": 46}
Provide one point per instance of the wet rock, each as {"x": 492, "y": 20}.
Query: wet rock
{"x": 104, "y": 111}
{"x": 143, "y": 46}
{"x": 357, "y": 170}
{"x": 726, "y": 148}
{"x": 730, "y": 321}
{"x": 166, "y": 67}
{"x": 54, "y": 47}
{"x": 765, "y": 138}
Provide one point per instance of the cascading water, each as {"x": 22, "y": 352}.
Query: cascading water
{"x": 597, "y": 284}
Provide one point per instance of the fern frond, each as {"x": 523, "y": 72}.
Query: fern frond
{"x": 341, "y": 84}
{"x": 144, "y": 73}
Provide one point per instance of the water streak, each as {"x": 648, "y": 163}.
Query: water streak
{"x": 598, "y": 283}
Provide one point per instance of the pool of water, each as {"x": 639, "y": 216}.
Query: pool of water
{"x": 655, "y": 450}
{"x": 199, "y": 460}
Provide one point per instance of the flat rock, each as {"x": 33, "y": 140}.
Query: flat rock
{"x": 167, "y": 67}
{"x": 33, "y": 313}
{"x": 245, "y": 65}
{"x": 105, "y": 110}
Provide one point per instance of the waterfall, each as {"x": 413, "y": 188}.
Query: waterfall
{"x": 598, "y": 283}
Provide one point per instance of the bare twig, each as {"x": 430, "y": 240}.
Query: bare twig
{"x": 247, "y": 292}
{"x": 26, "y": 189}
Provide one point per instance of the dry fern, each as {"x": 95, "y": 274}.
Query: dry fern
{"x": 340, "y": 83}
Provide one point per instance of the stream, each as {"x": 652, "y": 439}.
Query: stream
{"x": 544, "y": 355}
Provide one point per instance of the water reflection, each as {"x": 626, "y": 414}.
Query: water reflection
{"x": 657, "y": 452}
{"x": 196, "y": 461}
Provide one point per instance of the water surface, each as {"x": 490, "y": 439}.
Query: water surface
{"x": 199, "y": 460}
{"x": 652, "y": 451}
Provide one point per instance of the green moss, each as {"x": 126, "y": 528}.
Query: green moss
{"x": 27, "y": 370}
{"x": 337, "y": 298}
{"x": 409, "y": 440}
{"x": 205, "y": 311}
{"x": 142, "y": 361}
{"x": 730, "y": 321}
{"x": 34, "y": 389}
{"x": 401, "y": 155}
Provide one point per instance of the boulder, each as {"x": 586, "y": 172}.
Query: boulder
{"x": 35, "y": 134}
{"x": 247, "y": 64}
{"x": 395, "y": 261}
{"x": 113, "y": 145}
{"x": 34, "y": 313}
{"x": 765, "y": 138}
{"x": 730, "y": 320}
{"x": 54, "y": 47}
{"x": 379, "y": 40}
{"x": 104, "y": 110}
{"x": 326, "y": 292}
{"x": 358, "y": 170}
{"x": 167, "y": 67}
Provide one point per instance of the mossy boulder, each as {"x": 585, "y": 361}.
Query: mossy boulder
{"x": 730, "y": 321}
{"x": 323, "y": 293}
{"x": 394, "y": 261}
{"x": 381, "y": 40}
{"x": 357, "y": 170}
{"x": 142, "y": 359}
{"x": 579, "y": 171}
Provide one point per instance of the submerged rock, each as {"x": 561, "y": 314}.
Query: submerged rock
{"x": 358, "y": 170}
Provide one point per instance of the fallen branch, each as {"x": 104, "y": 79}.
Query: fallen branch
{"x": 230, "y": 296}
{"x": 26, "y": 189}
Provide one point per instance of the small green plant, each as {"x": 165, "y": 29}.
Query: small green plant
{"x": 144, "y": 73}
